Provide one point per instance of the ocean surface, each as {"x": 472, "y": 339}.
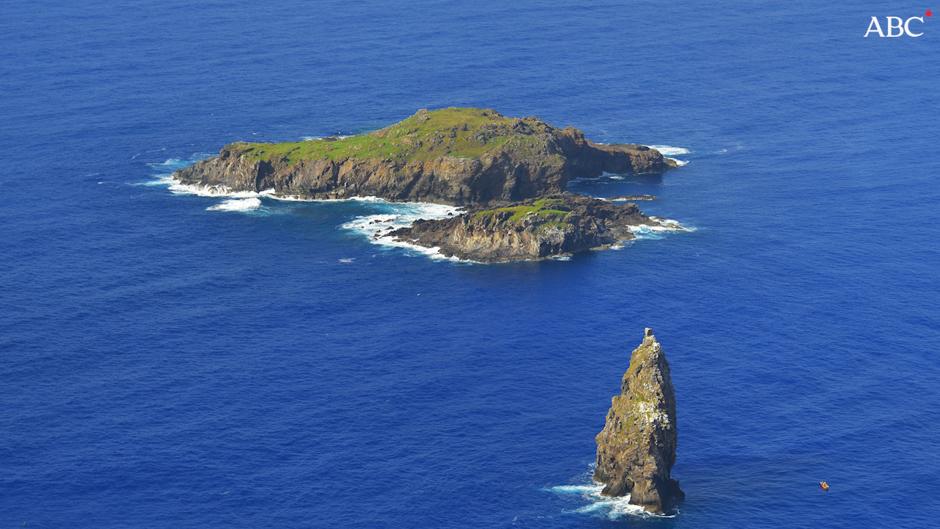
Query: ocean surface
{"x": 177, "y": 361}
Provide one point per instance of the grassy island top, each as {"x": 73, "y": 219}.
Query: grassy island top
{"x": 457, "y": 132}
{"x": 544, "y": 209}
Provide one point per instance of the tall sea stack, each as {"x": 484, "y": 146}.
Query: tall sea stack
{"x": 637, "y": 447}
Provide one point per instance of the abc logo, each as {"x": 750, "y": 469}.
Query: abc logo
{"x": 895, "y": 27}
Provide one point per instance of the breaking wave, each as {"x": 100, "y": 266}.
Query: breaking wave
{"x": 172, "y": 164}
{"x": 600, "y": 506}
{"x": 238, "y": 201}
{"x": 377, "y": 228}
{"x": 163, "y": 171}
{"x": 178, "y": 188}
{"x": 374, "y": 227}
{"x": 670, "y": 152}
{"x": 237, "y": 204}
{"x": 658, "y": 231}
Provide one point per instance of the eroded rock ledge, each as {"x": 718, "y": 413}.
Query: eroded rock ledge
{"x": 458, "y": 156}
{"x": 637, "y": 447}
{"x": 533, "y": 229}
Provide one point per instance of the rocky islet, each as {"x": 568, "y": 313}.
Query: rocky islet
{"x": 637, "y": 447}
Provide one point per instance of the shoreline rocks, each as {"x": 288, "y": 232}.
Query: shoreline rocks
{"x": 637, "y": 447}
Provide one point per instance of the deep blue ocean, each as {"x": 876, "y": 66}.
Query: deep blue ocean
{"x": 163, "y": 365}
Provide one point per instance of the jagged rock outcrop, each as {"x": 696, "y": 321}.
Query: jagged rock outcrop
{"x": 460, "y": 156}
{"x": 530, "y": 230}
{"x": 637, "y": 447}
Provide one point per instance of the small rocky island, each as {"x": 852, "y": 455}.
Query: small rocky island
{"x": 510, "y": 174}
{"x": 637, "y": 447}
{"x": 457, "y": 156}
{"x": 530, "y": 230}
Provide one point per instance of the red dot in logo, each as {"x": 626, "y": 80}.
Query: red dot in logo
{"x": 929, "y": 13}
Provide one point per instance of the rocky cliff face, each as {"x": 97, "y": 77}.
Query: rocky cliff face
{"x": 637, "y": 447}
{"x": 459, "y": 156}
{"x": 529, "y": 230}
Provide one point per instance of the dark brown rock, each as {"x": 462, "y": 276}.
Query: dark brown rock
{"x": 529, "y": 230}
{"x": 637, "y": 447}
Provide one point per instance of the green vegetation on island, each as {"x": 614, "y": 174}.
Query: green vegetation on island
{"x": 543, "y": 208}
{"x": 456, "y": 132}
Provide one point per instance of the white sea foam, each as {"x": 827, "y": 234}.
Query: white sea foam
{"x": 178, "y": 188}
{"x": 170, "y": 163}
{"x": 220, "y": 190}
{"x": 578, "y": 490}
{"x": 162, "y": 180}
{"x": 163, "y": 171}
{"x": 657, "y": 231}
{"x": 378, "y": 227}
{"x": 669, "y": 150}
{"x": 238, "y": 201}
{"x": 612, "y": 508}
{"x": 270, "y": 193}
{"x": 375, "y": 227}
{"x": 237, "y": 204}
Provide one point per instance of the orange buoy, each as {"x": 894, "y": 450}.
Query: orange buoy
{"x": 824, "y": 485}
